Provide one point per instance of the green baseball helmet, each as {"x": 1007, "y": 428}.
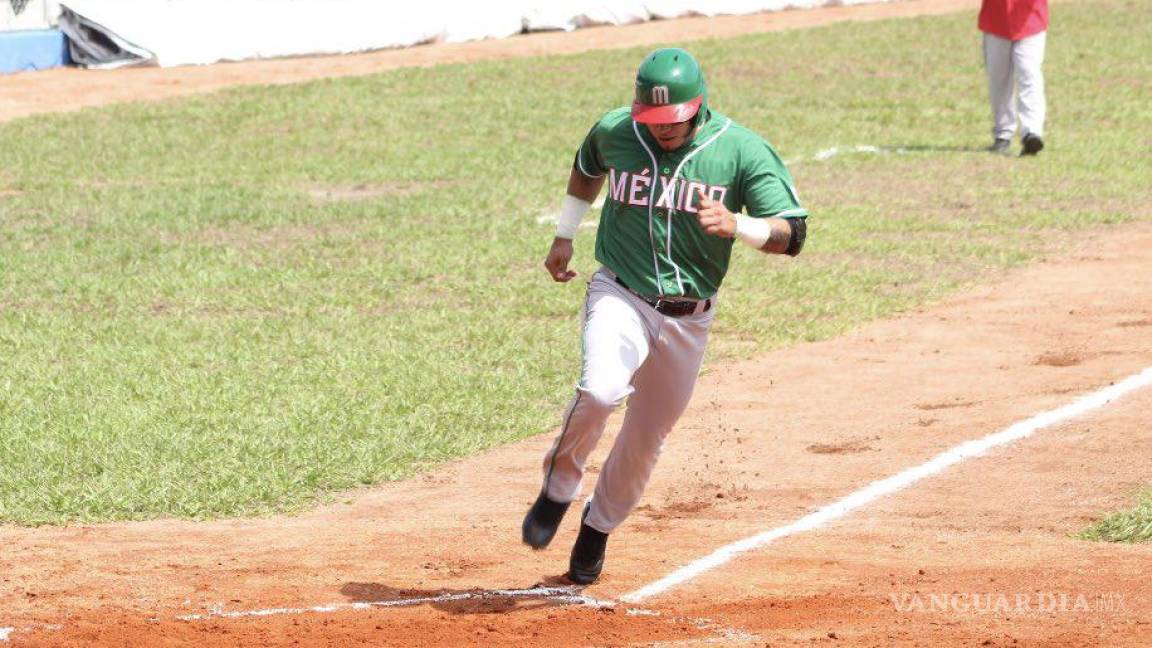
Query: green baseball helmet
{"x": 670, "y": 88}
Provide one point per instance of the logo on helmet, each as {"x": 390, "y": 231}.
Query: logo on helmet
{"x": 659, "y": 95}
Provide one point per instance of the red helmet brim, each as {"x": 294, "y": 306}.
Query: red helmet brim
{"x": 671, "y": 114}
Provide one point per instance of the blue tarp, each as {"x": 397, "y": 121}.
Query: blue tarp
{"x": 31, "y": 50}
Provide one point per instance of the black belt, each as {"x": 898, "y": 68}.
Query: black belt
{"x": 670, "y": 307}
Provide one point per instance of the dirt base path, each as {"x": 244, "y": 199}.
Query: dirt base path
{"x": 66, "y": 89}
{"x": 765, "y": 443}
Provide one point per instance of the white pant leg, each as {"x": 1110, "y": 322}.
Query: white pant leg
{"x": 664, "y": 387}
{"x": 1001, "y": 85}
{"x": 1027, "y": 59}
{"x": 615, "y": 339}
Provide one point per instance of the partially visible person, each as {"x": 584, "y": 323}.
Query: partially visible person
{"x": 1015, "y": 33}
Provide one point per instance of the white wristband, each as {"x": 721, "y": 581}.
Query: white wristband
{"x": 571, "y": 213}
{"x": 753, "y": 231}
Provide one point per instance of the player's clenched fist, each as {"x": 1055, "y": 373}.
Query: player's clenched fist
{"x": 715, "y": 218}
{"x": 558, "y": 257}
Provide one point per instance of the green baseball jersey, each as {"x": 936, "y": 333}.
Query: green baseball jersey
{"x": 648, "y": 233}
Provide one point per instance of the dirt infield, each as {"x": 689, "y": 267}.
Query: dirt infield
{"x": 979, "y": 555}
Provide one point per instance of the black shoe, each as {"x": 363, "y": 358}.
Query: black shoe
{"x": 542, "y": 521}
{"x": 1032, "y": 144}
{"x": 1000, "y": 146}
{"x": 587, "y": 554}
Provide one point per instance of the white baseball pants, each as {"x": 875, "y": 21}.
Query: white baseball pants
{"x": 630, "y": 352}
{"x": 1014, "y": 69}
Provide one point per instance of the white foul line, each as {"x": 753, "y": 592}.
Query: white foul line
{"x": 7, "y": 631}
{"x": 901, "y": 480}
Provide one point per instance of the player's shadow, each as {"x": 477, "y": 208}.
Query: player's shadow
{"x": 554, "y": 591}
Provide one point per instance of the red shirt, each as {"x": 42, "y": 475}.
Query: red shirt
{"x": 1013, "y": 19}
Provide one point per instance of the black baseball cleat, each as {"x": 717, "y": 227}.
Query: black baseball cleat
{"x": 1032, "y": 144}
{"x": 587, "y": 554}
{"x": 542, "y": 520}
{"x": 1000, "y": 146}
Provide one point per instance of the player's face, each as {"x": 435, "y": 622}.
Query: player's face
{"x": 671, "y": 136}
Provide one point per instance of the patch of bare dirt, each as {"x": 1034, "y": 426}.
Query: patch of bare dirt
{"x": 928, "y": 407}
{"x": 852, "y": 446}
{"x": 1061, "y": 359}
{"x": 677, "y": 509}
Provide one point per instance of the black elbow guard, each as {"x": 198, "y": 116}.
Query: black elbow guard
{"x": 799, "y": 232}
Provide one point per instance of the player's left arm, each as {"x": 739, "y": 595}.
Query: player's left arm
{"x": 776, "y": 221}
{"x": 783, "y": 236}
{"x": 771, "y": 235}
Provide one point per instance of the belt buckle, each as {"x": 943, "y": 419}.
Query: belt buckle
{"x": 674, "y": 308}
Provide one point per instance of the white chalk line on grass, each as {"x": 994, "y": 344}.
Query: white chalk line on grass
{"x": 552, "y": 218}
{"x": 829, "y": 153}
{"x": 899, "y": 481}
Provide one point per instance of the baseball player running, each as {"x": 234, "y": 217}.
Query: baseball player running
{"x": 678, "y": 174}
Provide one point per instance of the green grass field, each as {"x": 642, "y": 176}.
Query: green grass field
{"x": 241, "y": 303}
{"x": 1133, "y": 525}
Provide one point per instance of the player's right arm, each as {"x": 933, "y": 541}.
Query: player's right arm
{"x": 584, "y": 187}
{"x": 585, "y": 181}
{"x": 582, "y": 192}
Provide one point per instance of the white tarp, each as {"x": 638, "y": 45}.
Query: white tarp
{"x": 572, "y": 14}
{"x": 183, "y": 32}
{"x": 16, "y": 15}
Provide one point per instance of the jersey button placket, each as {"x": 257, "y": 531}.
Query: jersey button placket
{"x": 666, "y": 165}
{"x": 665, "y": 172}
